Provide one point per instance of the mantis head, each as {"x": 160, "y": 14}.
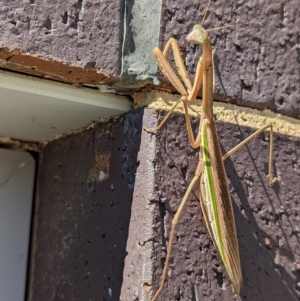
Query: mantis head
{"x": 198, "y": 35}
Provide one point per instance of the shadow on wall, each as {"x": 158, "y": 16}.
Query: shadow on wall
{"x": 266, "y": 217}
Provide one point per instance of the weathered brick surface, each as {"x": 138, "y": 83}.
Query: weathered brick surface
{"x": 100, "y": 237}
{"x": 70, "y": 34}
{"x": 106, "y": 240}
{"x": 83, "y": 206}
{"x": 267, "y": 218}
{"x": 256, "y": 64}
{"x": 99, "y": 42}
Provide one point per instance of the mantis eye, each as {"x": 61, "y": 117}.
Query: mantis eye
{"x": 196, "y": 27}
{"x": 201, "y": 39}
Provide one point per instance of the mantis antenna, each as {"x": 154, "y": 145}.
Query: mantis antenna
{"x": 206, "y": 9}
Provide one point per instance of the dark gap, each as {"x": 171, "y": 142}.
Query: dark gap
{"x": 78, "y": 8}
{"x": 79, "y": 5}
{"x": 219, "y": 277}
{"x": 238, "y": 48}
{"x": 244, "y": 86}
{"x": 65, "y": 18}
{"x": 30, "y": 256}
{"x": 282, "y": 7}
{"x": 47, "y": 24}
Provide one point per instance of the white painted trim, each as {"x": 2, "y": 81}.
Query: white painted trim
{"x": 34, "y": 109}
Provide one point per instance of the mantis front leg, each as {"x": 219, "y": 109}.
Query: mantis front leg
{"x": 190, "y": 92}
{"x": 168, "y": 71}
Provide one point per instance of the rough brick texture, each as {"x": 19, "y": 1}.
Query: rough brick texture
{"x": 103, "y": 210}
{"x": 82, "y": 34}
{"x": 99, "y": 42}
{"x": 256, "y": 64}
{"x": 83, "y": 205}
{"x": 106, "y": 240}
{"x": 267, "y": 218}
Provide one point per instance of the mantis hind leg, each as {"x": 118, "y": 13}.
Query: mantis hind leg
{"x": 175, "y": 220}
{"x": 255, "y": 134}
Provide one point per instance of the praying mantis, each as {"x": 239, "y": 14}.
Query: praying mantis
{"x": 215, "y": 200}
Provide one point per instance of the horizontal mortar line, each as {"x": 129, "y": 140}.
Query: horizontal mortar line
{"x": 223, "y": 111}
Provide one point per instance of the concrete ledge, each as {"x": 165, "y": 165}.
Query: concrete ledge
{"x": 225, "y": 112}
